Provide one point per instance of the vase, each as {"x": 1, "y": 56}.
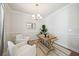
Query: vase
{"x": 45, "y": 35}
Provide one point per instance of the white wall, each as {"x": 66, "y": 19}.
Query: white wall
{"x": 73, "y": 24}
{"x": 64, "y": 24}
{"x": 18, "y": 23}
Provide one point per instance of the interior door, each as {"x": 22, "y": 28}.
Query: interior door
{"x": 1, "y": 29}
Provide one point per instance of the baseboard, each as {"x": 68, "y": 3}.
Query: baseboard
{"x": 69, "y": 48}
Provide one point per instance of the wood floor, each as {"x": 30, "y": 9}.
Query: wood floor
{"x": 58, "y": 51}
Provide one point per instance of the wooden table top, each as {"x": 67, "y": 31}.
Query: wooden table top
{"x": 50, "y": 37}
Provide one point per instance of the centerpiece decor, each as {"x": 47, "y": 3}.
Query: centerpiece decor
{"x": 43, "y": 30}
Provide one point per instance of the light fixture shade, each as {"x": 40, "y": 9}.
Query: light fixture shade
{"x": 33, "y": 16}
{"x": 36, "y": 17}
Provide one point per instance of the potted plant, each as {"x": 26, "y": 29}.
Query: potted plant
{"x": 44, "y": 30}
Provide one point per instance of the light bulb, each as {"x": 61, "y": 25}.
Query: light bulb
{"x": 33, "y": 15}
{"x": 40, "y": 17}
{"x": 37, "y": 16}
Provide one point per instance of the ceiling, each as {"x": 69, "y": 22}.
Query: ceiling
{"x": 43, "y": 9}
